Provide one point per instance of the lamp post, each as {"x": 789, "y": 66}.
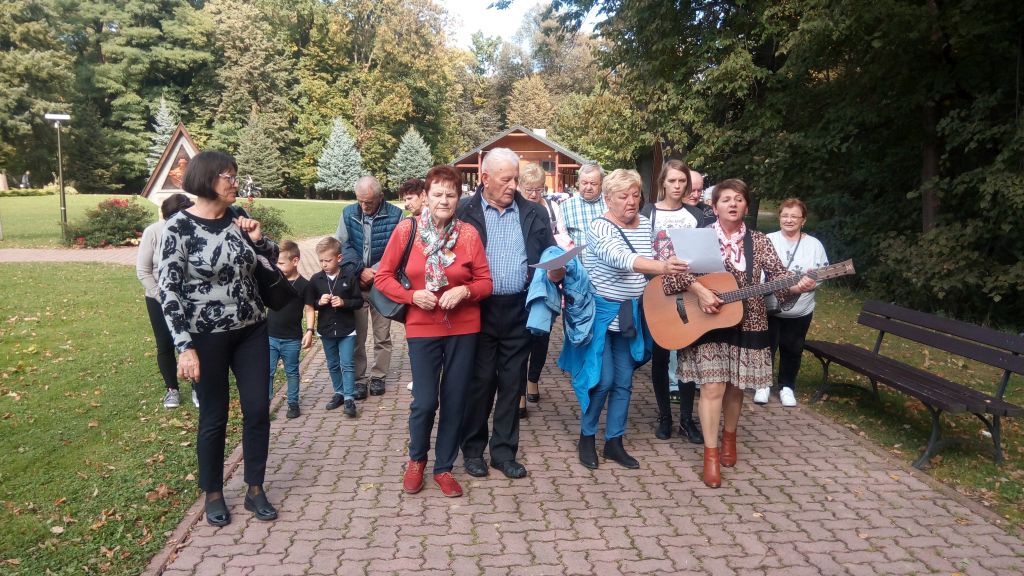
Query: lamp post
{"x": 57, "y": 119}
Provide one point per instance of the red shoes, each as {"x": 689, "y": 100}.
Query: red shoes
{"x": 412, "y": 482}
{"x": 448, "y": 484}
{"x": 728, "y": 449}
{"x": 712, "y": 473}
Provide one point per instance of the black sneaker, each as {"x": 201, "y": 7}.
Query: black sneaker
{"x": 360, "y": 391}
{"x": 293, "y": 411}
{"x": 350, "y": 408}
{"x": 376, "y": 386}
{"x": 336, "y": 400}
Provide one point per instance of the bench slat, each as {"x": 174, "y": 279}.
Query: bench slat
{"x": 940, "y": 341}
{"x": 987, "y": 336}
{"x": 942, "y": 393}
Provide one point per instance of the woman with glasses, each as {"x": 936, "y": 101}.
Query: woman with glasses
{"x": 531, "y": 181}
{"x": 448, "y": 277}
{"x": 787, "y": 329}
{"x": 212, "y": 306}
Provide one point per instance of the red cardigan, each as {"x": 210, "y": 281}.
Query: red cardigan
{"x": 469, "y": 269}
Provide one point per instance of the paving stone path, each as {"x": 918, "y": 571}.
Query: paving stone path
{"x": 807, "y": 497}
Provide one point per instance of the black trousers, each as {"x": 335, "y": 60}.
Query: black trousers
{"x": 164, "y": 344}
{"x": 538, "y": 355}
{"x": 499, "y": 379}
{"x": 660, "y": 381}
{"x": 442, "y": 371}
{"x": 788, "y": 335}
{"x": 246, "y": 352}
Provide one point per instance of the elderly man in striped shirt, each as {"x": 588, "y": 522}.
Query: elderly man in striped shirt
{"x": 515, "y": 232}
{"x": 581, "y": 209}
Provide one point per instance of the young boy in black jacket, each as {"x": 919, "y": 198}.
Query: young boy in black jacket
{"x": 284, "y": 327}
{"x": 333, "y": 296}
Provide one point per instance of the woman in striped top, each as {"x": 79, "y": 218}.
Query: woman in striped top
{"x": 617, "y": 257}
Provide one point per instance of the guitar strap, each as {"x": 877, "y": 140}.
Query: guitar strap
{"x": 748, "y": 253}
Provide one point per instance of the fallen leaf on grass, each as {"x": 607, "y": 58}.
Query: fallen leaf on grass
{"x": 161, "y": 491}
{"x": 93, "y": 423}
{"x": 59, "y": 501}
{"x": 57, "y": 530}
{"x": 13, "y": 561}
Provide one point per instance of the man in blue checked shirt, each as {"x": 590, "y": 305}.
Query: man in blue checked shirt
{"x": 515, "y": 232}
{"x": 578, "y": 211}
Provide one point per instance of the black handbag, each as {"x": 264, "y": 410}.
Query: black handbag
{"x": 275, "y": 290}
{"x": 385, "y": 306}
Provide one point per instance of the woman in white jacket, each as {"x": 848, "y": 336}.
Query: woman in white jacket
{"x": 787, "y": 330}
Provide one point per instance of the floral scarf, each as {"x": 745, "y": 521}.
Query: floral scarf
{"x": 732, "y": 246}
{"x": 437, "y": 247}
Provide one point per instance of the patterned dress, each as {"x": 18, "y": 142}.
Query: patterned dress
{"x": 737, "y": 355}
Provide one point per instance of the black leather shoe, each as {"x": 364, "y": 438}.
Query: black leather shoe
{"x": 360, "y": 391}
{"x": 588, "y": 451}
{"x": 336, "y": 400}
{"x": 613, "y": 450}
{"x": 476, "y": 467}
{"x": 532, "y": 397}
{"x": 376, "y": 386}
{"x": 523, "y": 412}
{"x": 293, "y": 411}
{"x": 510, "y": 468}
{"x": 217, "y": 513}
{"x": 663, "y": 431}
{"x": 691, "y": 430}
{"x": 260, "y": 507}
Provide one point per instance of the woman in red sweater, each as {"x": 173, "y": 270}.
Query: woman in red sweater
{"x": 448, "y": 272}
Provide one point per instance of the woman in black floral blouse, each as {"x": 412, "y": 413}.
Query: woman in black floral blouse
{"x": 210, "y": 300}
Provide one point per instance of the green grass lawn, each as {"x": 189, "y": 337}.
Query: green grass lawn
{"x": 34, "y": 222}
{"x": 94, "y": 470}
{"x": 901, "y": 424}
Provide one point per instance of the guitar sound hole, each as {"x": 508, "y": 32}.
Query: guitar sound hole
{"x": 681, "y": 310}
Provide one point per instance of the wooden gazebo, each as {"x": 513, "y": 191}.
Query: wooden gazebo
{"x": 560, "y": 164}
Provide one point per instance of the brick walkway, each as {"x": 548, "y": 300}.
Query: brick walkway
{"x": 808, "y": 497}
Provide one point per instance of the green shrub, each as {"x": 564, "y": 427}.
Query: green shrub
{"x": 113, "y": 222}
{"x": 24, "y": 192}
{"x": 271, "y": 219}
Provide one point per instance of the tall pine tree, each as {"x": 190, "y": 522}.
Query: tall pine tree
{"x": 412, "y": 160}
{"x": 340, "y": 164}
{"x": 259, "y": 157}
{"x": 164, "y": 124}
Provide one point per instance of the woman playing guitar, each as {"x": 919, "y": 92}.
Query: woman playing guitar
{"x": 728, "y": 360}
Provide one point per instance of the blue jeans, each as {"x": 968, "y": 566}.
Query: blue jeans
{"x": 615, "y": 386}
{"x": 341, "y": 363}
{"x": 286, "y": 349}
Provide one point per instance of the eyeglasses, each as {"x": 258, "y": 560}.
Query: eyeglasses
{"x": 231, "y": 179}
{"x": 534, "y": 190}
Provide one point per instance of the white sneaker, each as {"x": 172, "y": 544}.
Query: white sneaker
{"x": 787, "y": 397}
{"x": 172, "y": 399}
{"x": 761, "y": 396}
{"x": 409, "y": 387}
{"x": 195, "y": 398}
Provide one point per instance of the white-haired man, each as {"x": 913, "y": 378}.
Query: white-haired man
{"x": 578, "y": 211}
{"x": 515, "y": 232}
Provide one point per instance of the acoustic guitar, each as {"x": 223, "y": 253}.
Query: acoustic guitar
{"x": 677, "y": 321}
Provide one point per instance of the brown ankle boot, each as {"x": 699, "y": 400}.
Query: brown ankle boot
{"x": 728, "y": 449}
{"x": 712, "y": 473}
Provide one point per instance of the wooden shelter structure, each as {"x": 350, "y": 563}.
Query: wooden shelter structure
{"x": 560, "y": 164}
{"x": 170, "y": 169}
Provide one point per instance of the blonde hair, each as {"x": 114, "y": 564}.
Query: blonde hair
{"x": 619, "y": 180}
{"x": 328, "y": 244}
{"x": 531, "y": 175}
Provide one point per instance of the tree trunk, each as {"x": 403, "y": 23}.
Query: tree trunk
{"x": 929, "y": 168}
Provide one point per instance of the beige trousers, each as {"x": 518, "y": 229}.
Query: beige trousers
{"x": 381, "y": 342}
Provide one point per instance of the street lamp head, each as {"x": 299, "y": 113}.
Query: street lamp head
{"x": 57, "y": 117}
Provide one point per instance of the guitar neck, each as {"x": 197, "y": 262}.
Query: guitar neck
{"x": 760, "y": 289}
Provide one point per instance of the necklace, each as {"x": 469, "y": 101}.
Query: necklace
{"x": 331, "y": 285}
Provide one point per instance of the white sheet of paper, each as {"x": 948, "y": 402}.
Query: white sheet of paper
{"x": 699, "y": 247}
{"x": 560, "y": 261}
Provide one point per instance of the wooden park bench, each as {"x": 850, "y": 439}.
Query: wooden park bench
{"x": 992, "y": 347}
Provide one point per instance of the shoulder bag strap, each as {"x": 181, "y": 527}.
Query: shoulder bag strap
{"x": 797, "y": 247}
{"x": 408, "y": 245}
{"x": 748, "y": 251}
{"x": 621, "y": 233}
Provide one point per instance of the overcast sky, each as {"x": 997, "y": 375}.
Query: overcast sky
{"x": 469, "y": 16}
